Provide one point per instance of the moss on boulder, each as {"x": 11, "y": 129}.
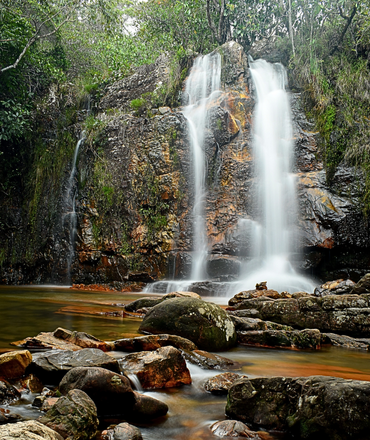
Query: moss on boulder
{"x": 204, "y": 323}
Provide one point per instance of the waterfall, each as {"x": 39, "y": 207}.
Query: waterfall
{"x": 272, "y": 230}
{"x": 201, "y": 88}
{"x": 273, "y": 235}
{"x": 70, "y": 216}
{"x": 204, "y": 80}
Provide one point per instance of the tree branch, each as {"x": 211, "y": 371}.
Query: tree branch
{"x": 217, "y": 5}
{"x": 341, "y": 37}
{"x": 37, "y": 36}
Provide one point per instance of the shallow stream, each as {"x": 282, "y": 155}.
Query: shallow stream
{"x": 26, "y": 311}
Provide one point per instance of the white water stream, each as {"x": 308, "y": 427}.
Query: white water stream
{"x": 274, "y": 234}
{"x": 204, "y": 80}
{"x": 201, "y": 88}
{"x": 70, "y": 216}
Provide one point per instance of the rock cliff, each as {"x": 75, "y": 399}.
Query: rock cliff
{"x": 134, "y": 194}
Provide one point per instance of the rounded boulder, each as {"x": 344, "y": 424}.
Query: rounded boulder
{"x": 204, "y": 323}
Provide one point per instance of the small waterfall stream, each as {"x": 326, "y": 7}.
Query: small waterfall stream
{"x": 70, "y": 216}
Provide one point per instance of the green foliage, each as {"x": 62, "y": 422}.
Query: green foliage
{"x": 137, "y": 104}
{"x": 14, "y": 120}
{"x": 108, "y": 191}
{"x": 173, "y": 25}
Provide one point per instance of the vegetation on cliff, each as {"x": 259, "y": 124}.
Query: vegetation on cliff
{"x": 325, "y": 43}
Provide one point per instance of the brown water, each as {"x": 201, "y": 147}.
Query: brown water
{"x": 26, "y": 311}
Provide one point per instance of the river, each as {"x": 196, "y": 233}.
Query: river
{"x": 26, "y": 311}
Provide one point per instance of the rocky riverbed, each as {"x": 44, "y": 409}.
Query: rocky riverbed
{"x": 83, "y": 387}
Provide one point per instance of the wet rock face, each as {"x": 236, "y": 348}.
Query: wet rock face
{"x": 27, "y": 430}
{"x": 73, "y": 416}
{"x": 162, "y": 368}
{"x": 111, "y": 392}
{"x": 311, "y": 408}
{"x": 123, "y": 431}
{"x": 206, "y": 324}
{"x": 221, "y": 383}
{"x": 334, "y": 232}
{"x": 346, "y": 314}
{"x": 51, "y": 366}
{"x": 13, "y": 365}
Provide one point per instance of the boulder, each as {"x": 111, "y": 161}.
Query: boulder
{"x": 62, "y": 339}
{"x": 256, "y": 293}
{"x": 73, "y": 416}
{"x": 162, "y": 368}
{"x": 347, "y": 314}
{"x": 346, "y": 341}
{"x": 8, "y": 393}
{"x": 13, "y": 364}
{"x": 145, "y": 303}
{"x": 210, "y": 361}
{"x": 248, "y": 324}
{"x": 363, "y": 285}
{"x": 30, "y": 430}
{"x": 123, "y": 431}
{"x": 221, "y": 383}
{"x": 144, "y": 80}
{"x": 146, "y": 408}
{"x": 337, "y": 287}
{"x": 111, "y": 392}
{"x": 233, "y": 428}
{"x": 204, "y": 323}
{"x": 307, "y": 407}
{"x": 309, "y": 338}
{"x": 51, "y": 366}
{"x": 153, "y": 342}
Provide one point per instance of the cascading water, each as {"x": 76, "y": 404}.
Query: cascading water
{"x": 201, "y": 88}
{"x": 203, "y": 82}
{"x": 273, "y": 237}
{"x": 70, "y": 216}
{"x": 272, "y": 232}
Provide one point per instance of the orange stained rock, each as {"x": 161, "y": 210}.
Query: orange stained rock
{"x": 242, "y": 155}
{"x": 232, "y": 125}
{"x": 327, "y": 243}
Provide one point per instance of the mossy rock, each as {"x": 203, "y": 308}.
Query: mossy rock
{"x": 204, "y": 323}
